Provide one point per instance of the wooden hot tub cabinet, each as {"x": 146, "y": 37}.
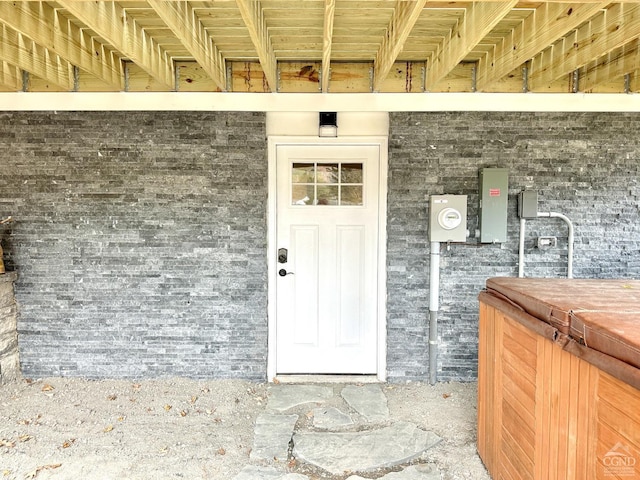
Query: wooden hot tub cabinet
{"x": 559, "y": 379}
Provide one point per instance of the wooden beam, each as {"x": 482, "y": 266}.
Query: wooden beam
{"x": 24, "y": 53}
{"x": 327, "y": 41}
{"x": 404, "y": 17}
{"x": 183, "y": 22}
{"x": 10, "y": 76}
{"x": 544, "y": 26}
{"x": 44, "y": 25}
{"x": 478, "y": 21}
{"x": 614, "y": 67}
{"x": 110, "y": 21}
{"x": 253, "y": 17}
{"x": 609, "y": 30}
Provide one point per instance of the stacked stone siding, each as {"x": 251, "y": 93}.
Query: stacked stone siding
{"x": 140, "y": 238}
{"x": 584, "y": 165}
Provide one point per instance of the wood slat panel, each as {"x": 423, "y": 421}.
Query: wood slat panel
{"x": 520, "y": 379}
{"x": 579, "y": 414}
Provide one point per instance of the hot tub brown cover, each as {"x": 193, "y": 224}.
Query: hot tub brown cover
{"x": 602, "y": 314}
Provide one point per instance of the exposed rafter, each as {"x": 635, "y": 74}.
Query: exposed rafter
{"x": 110, "y": 21}
{"x": 45, "y": 26}
{"x": 614, "y": 66}
{"x": 479, "y": 20}
{"x": 607, "y": 31}
{"x": 327, "y": 42}
{"x": 253, "y": 17}
{"x": 405, "y": 16}
{"x": 22, "y": 52}
{"x": 548, "y": 23}
{"x": 185, "y": 25}
{"x": 10, "y": 76}
{"x": 307, "y": 46}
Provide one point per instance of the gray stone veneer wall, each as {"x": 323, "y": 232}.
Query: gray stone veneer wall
{"x": 140, "y": 242}
{"x": 140, "y": 238}
{"x": 584, "y": 165}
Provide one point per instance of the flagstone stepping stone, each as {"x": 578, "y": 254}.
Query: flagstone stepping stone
{"x": 251, "y": 472}
{"x": 272, "y": 436}
{"x": 368, "y": 400}
{"x": 329, "y": 418}
{"x": 284, "y": 397}
{"x": 363, "y": 451}
{"x": 415, "y": 472}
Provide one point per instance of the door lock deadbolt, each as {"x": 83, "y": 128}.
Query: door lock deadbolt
{"x": 282, "y": 255}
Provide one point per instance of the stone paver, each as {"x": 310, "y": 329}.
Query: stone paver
{"x": 415, "y": 472}
{"x": 272, "y": 436}
{"x": 284, "y": 397}
{"x": 329, "y": 418}
{"x": 252, "y": 472}
{"x": 368, "y": 400}
{"x": 363, "y": 451}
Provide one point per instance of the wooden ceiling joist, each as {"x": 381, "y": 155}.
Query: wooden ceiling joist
{"x": 545, "y": 25}
{"x": 479, "y": 20}
{"x": 607, "y": 31}
{"x": 24, "y": 53}
{"x": 327, "y": 43}
{"x": 405, "y": 16}
{"x": 616, "y": 65}
{"x": 185, "y": 25}
{"x": 253, "y": 17}
{"x": 110, "y": 22}
{"x": 10, "y": 76}
{"x": 44, "y": 25}
{"x": 319, "y": 45}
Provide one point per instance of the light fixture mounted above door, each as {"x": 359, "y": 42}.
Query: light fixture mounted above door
{"x": 328, "y": 124}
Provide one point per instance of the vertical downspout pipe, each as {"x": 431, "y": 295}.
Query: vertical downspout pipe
{"x": 569, "y": 240}
{"x": 523, "y": 224}
{"x": 434, "y": 294}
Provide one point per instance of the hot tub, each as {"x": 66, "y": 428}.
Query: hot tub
{"x": 559, "y": 379}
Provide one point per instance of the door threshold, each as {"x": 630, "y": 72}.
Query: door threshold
{"x": 326, "y": 379}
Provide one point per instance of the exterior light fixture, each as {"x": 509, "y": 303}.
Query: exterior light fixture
{"x": 328, "y": 124}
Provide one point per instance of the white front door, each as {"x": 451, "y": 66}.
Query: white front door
{"x": 327, "y": 240}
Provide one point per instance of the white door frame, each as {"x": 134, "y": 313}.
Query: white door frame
{"x": 382, "y": 143}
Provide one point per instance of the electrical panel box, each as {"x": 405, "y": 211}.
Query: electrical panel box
{"x": 528, "y": 204}
{"x": 494, "y": 190}
{"x": 448, "y": 218}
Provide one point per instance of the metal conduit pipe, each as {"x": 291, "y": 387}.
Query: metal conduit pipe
{"x": 434, "y": 293}
{"x": 523, "y": 223}
{"x": 569, "y": 240}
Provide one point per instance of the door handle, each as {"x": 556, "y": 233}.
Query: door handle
{"x": 283, "y": 273}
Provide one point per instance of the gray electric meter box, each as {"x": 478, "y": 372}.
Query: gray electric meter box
{"x": 494, "y": 190}
{"x": 448, "y": 218}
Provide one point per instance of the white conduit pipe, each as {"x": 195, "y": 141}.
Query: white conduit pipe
{"x": 523, "y": 223}
{"x": 434, "y": 293}
{"x": 569, "y": 240}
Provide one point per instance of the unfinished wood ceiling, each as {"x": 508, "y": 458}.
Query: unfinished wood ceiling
{"x": 320, "y": 46}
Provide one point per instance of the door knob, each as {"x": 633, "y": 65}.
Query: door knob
{"x": 283, "y": 273}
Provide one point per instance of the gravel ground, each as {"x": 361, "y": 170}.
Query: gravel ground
{"x": 69, "y": 428}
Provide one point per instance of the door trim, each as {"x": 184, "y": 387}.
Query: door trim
{"x": 382, "y": 143}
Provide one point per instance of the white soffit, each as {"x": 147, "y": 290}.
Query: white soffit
{"x": 302, "y": 102}
{"x": 307, "y": 123}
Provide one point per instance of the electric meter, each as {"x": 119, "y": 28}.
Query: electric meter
{"x": 448, "y": 218}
